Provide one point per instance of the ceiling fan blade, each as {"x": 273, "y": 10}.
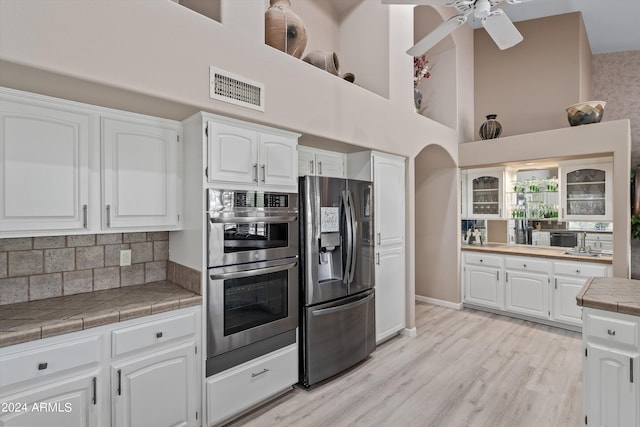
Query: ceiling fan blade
{"x": 440, "y": 32}
{"x": 501, "y": 29}
{"x": 421, "y": 2}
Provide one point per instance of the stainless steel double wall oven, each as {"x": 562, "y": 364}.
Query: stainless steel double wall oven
{"x": 252, "y": 293}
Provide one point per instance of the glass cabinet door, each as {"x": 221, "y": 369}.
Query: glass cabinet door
{"x": 484, "y": 194}
{"x": 587, "y": 192}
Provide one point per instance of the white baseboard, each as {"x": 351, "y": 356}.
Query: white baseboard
{"x": 409, "y": 332}
{"x": 440, "y": 302}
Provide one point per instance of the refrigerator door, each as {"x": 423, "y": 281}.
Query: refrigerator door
{"x": 362, "y": 274}
{"x": 324, "y": 239}
{"x": 337, "y": 335}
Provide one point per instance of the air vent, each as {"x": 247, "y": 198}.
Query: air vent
{"x": 228, "y": 87}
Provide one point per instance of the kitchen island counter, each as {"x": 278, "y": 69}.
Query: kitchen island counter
{"x": 611, "y": 294}
{"x": 536, "y": 251}
{"x": 33, "y": 320}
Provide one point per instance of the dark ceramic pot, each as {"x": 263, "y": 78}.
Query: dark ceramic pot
{"x": 490, "y": 129}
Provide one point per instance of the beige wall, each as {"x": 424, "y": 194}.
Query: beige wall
{"x": 615, "y": 80}
{"x": 607, "y": 138}
{"x": 529, "y": 85}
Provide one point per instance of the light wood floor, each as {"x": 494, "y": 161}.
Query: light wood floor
{"x": 465, "y": 368}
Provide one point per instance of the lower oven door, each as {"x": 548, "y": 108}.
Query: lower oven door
{"x": 250, "y": 302}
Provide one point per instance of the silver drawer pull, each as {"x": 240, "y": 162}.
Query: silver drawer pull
{"x": 42, "y": 366}
{"x": 611, "y": 332}
{"x": 264, "y": 371}
{"x": 524, "y": 265}
{"x": 158, "y": 334}
{"x": 578, "y": 271}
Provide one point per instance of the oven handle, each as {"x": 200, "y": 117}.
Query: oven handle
{"x": 253, "y": 272}
{"x": 253, "y": 219}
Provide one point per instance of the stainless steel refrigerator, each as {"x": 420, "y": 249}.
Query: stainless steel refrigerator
{"x": 337, "y": 275}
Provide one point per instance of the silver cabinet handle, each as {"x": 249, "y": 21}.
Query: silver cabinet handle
{"x": 506, "y": 277}
{"x": 578, "y": 271}
{"x": 611, "y": 332}
{"x": 498, "y": 275}
{"x": 94, "y": 383}
{"x": 311, "y": 166}
{"x": 42, "y": 366}
{"x": 264, "y": 371}
{"x": 320, "y": 168}
{"x": 524, "y": 265}
{"x": 119, "y": 382}
{"x": 84, "y": 216}
{"x": 255, "y": 173}
{"x": 264, "y": 172}
{"x": 379, "y": 239}
{"x": 378, "y": 258}
{"x": 108, "y": 215}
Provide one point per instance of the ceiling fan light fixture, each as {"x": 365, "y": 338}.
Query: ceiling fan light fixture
{"x": 501, "y": 29}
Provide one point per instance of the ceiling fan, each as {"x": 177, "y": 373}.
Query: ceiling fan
{"x": 495, "y": 21}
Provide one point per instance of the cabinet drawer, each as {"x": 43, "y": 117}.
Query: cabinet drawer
{"x": 482, "y": 259}
{"x": 599, "y": 237}
{"x": 526, "y": 264}
{"x": 613, "y": 330}
{"x": 238, "y": 389}
{"x": 152, "y": 333}
{"x": 49, "y": 359}
{"x": 579, "y": 269}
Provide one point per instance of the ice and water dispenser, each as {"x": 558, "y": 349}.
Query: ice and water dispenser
{"x": 330, "y": 253}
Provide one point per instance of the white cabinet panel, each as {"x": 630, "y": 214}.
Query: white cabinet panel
{"x": 388, "y": 184}
{"x": 586, "y": 190}
{"x": 527, "y": 293}
{"x": 278, "y": 160}
{"x": 313, "y": 161}
{"x": 390, "y": 297}
{"x": 483, "y": 286}
{"x": 44, "y": 165}
{"x": 156, "y": 389}
{"x": 233, "y": 154}
{"x": 71, "y": 402}
{"x": 565, "y": 306}
{"x": 612, "y": 379}
{"x": 485, "y": 193}
{"x": 141, "y": 174}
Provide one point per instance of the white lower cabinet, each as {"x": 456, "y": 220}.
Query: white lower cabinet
{"x": 138, "y": 382}
{"x": 238, "y": 389}
{"x": 610, "y": 370}
{"x": 390, "y": 297}
{"x": 83, "y": 379}
{"x": 529, "y": 286}
{"x": 482, "y": 282}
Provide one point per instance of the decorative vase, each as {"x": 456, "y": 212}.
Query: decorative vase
{"x": 417, "y": 99}
{"x": 327, "y": 61}
{"x": 283, "y": 29}
{"x": 490, "y": 129}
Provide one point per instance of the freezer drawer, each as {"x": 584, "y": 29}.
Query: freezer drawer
{"x": 336, "y": 336}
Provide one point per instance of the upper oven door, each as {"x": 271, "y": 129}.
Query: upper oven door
{"x": 250, "y": 302}
{"x": 251, "y": 226}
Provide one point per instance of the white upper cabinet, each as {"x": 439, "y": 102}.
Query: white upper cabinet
{"x": 485, "y": 191}
{"x": 44, "y": 167}
{"x": 312, "y": 161}
{"x": 140, "y": 166}
{"x": 388, "y": 184}
{"x": 243, "y": 155}
{"x": 586, "y": 190}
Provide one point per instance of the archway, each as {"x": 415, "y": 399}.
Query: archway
{"x": 437, "y": 224}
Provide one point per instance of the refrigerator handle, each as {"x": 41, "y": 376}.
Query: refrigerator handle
{"x": 347, "y": 214}
{"x": 352, "y": 270}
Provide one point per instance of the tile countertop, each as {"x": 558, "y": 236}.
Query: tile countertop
{"x": 611, "y": 294}
{"x": 29, "y": 321}
{"x": 536, "y": 251}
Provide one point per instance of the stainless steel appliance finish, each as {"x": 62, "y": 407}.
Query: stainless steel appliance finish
{"x": 337, "y": 275}
{"x": 248, "y": 226}
{"x": 253, "y": 285}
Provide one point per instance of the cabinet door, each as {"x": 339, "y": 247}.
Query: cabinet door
{"x": 157, "y": 389}
{"x": 485, "y": 194}
{"x": 278, "y": 161}
{"x": 140, "y": 169}
{"x": 390, "y": 300}
{"x": 330, "y": 164}
{"x": 306, "y": 161}
{"x": 527, "y": 293}
{"x": 483, "y": 286}
{"x": 233, "y": 154}
{"x": 388, "y": 186}
{"x": 71, "y": 401}
{"x": 565, "y": 307}
{"x": 44, "y": 168}
{"x": 587, "y": 192}
{"x": 612, "y": 387}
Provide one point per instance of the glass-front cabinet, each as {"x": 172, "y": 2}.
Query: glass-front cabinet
{"x": 586, "y": 192}
{"x": 485, "y": 189}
